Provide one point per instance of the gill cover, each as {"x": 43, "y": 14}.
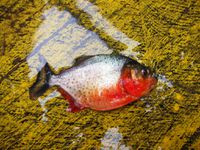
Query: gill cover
{"x": 137, "y": 79}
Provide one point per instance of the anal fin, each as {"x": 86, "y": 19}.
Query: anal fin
{"x": 73, "y": 106}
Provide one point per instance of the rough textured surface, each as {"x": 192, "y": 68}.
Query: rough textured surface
{"x": 169, "y": 118}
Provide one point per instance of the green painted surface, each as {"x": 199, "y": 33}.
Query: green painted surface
{"x": 169, "y": 118}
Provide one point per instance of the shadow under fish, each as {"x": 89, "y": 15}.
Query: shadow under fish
{"x": 102, "y": 82}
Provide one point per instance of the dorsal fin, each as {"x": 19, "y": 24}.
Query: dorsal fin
{"x": 81, "y": 59}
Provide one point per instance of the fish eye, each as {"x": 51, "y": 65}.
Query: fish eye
{"x": 144, "y": 72}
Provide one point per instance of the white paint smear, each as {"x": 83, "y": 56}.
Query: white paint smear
{"x": 112, "y": 140}
{"x": 44, "y": 101}
{"x": 60, "y": 40}
{"x": 101, "y": 23}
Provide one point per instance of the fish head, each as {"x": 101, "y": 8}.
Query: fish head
{"x": 138, "y": 80}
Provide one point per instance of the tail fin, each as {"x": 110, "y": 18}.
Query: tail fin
{"x": 42, "y": 82}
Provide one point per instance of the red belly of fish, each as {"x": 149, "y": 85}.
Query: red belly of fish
{"x": 107, "y": 99}
{"x": 110, "y": 98}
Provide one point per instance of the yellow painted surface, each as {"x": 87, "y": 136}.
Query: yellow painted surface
{"x": 168, "y": 33}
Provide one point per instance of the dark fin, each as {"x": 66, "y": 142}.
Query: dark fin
{"x": 42, "y": 82}
{"x": 73, "y": 106}
{"x": 81, "y": 59}
{"x": 115, "y": 53}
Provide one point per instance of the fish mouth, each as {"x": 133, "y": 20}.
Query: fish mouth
{"x": 152, "y": 79}
{"x": 151, "y": 83}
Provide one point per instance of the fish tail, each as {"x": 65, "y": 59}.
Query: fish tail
{"x": 42, "y": 82}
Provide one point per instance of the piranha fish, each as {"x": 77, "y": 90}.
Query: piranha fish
{"x": 101, "y": 82}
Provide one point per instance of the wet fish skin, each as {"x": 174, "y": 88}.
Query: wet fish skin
{"x": 101, "y": 82}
